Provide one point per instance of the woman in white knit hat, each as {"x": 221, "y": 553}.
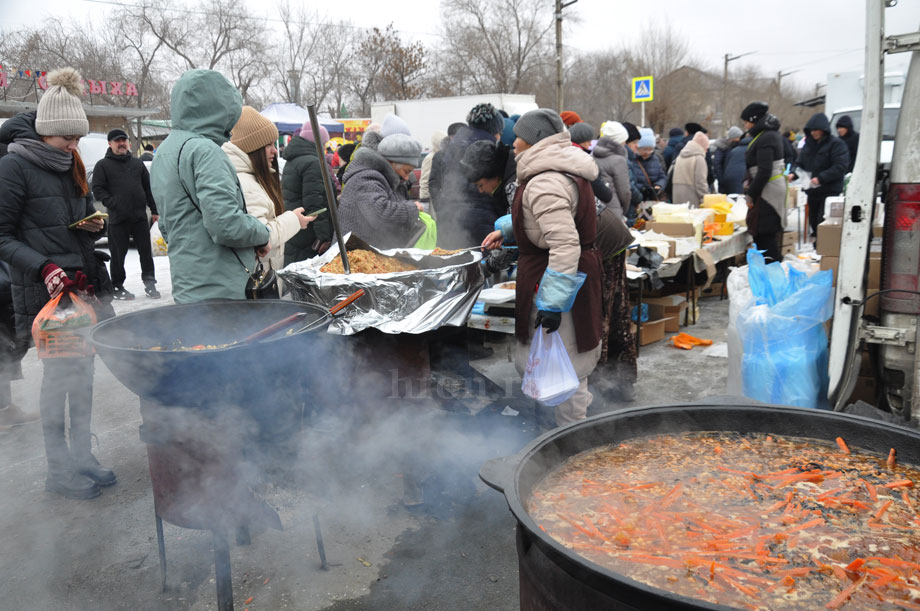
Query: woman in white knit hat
{"x": 43, "y": 197}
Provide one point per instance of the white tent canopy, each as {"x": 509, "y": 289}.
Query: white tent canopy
{"x": 290, "y": 117}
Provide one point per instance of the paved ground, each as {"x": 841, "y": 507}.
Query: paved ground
{"x": 454, "y": 552}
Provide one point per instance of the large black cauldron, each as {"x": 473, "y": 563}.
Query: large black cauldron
{"x": 203, "y": 410}
{"x": 136, "y": 348}
{"x": 553, "y": 578}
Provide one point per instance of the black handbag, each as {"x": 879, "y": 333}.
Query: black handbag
{"x": 263, "y": 284}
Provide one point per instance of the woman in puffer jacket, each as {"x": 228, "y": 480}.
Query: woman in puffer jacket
{"x": 554, "y": 222}
{"x": 690, "y": 171}
{"x": 612, "y": 161}
{"x": 253, "y": 154}
{"x": 49, "y": 246}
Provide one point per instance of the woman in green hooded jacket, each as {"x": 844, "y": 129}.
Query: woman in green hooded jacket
{"x": 212, "y": 240}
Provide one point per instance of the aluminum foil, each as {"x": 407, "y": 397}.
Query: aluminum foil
{"x": 440, "y": 294}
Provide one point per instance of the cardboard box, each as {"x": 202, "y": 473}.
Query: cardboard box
{"x": 652, "y": 331}
{"x": 661, "y": 310}
{"x": 834, "y": 209}
{"x": 831, "y": 264}
{"x": 714, "y": 290}
{"x": 790, "y": 238}
{"x": 875, "y": 272}
{"x": 677, "y": 230}
{"x": 792, "y": 197}
{"x": 875, "y": 247}
{"x": 672, "y": 324}
{"x": 878, "y": 229}
{"x": 872, "y": 306}
{"x": 787, "y": 250}
{"x": 829, "y": 237}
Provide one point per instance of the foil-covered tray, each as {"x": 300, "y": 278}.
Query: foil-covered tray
{"x": 441, "y": 293}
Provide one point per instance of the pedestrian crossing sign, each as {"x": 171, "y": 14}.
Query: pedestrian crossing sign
{"x": 643, "y": 89}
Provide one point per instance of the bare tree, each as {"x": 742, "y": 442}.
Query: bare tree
{"x": 597, "y": 84}
{"x": 206, "y": 35}
{"x": 495, "y": 45}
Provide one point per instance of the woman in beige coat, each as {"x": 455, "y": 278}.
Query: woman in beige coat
{"x": 254, "y": 157}
{"x": 690, "y": 171}
{"x": 553, "y": 220}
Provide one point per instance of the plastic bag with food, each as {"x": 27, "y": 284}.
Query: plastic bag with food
{"x": 549, "y": 377}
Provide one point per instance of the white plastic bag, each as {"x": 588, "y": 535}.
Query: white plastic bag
{"x": 549, "y": 377}
{"x": 157, "y": 243}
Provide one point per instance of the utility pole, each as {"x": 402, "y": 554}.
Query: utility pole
{"x": 559, "y": 95}
{"x": 728, "y": 58}
{"x": 779, "y": 80}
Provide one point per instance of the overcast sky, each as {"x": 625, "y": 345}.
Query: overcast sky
{"x": 810, "y": 37}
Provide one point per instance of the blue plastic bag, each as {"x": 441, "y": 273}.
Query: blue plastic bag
{"x": 549, "y": 377}
{"x": 784, "y": 356}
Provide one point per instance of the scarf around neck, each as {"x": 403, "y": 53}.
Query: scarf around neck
{"x": 43, "y": 155}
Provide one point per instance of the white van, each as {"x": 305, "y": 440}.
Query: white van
{"x": 894, "y": 337}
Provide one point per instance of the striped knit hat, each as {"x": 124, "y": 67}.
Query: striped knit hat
{"x": 253, "y": 131}
{"x": 60, "y": 111}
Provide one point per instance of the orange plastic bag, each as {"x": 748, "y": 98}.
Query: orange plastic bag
{"x": 54, "y": 327}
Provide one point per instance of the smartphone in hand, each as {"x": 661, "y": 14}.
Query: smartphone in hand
{"x": 94, "y": 215}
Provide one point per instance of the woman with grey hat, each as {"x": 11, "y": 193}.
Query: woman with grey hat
{"x": 554, "y": 222}
{"x": 370, "y": 205}
{"x": 50, "y": 250}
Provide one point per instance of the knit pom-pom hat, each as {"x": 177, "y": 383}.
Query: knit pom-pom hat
{"x": 60, "y": 110}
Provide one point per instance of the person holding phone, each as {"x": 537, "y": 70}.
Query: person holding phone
{"x": 43, "y": 191}
{"x": 302, "y": 187}
{"x": 254, "y": 156}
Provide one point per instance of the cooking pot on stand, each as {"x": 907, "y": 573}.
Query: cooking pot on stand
{"x": 555, "y": 578}
{"x": 205, "y": 395}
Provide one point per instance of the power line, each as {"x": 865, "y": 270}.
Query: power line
{"x": 262, "y": 18}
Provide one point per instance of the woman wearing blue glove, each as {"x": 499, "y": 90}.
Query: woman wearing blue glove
{"x": 553, "y": 220}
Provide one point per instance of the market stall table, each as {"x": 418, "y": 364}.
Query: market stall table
{"x": 700, "y": 260}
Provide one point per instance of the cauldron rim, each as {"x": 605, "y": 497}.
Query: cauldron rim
{"x": 594, "y": 575}
{"x": 325, "y": 317}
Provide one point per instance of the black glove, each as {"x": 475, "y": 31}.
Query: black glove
{"x": 499, "y": 260}
{"x": 549, "y": 320}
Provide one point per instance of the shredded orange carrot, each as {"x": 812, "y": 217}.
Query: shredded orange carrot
{"x": 878, "y": 514}
{"x": 843, "y": 445}
{"x": 891, "y": 459}
{"x": 903, "y": 483}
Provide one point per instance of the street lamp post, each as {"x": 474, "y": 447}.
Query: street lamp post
{"x": 559, "y": 95}
{"x": 728, "y": 58}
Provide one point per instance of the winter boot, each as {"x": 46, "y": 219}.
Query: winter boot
{"x": 68, "y": 483}
{"x": 122, "y": 294}
{"x": 81, "y": 411}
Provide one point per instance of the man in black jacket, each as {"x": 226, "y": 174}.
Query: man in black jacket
{"x": 121, "y": 182}
{"x": 826, "y": 159}
{"x": 850, "y": 137}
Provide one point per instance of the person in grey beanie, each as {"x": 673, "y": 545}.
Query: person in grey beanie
{"x": 553, "y": 220}
{"x": 49, "y": 246}
{"x": 720, "y": 149}
{"x": 371, "y": 205}
{"x": 582, "y": 135}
